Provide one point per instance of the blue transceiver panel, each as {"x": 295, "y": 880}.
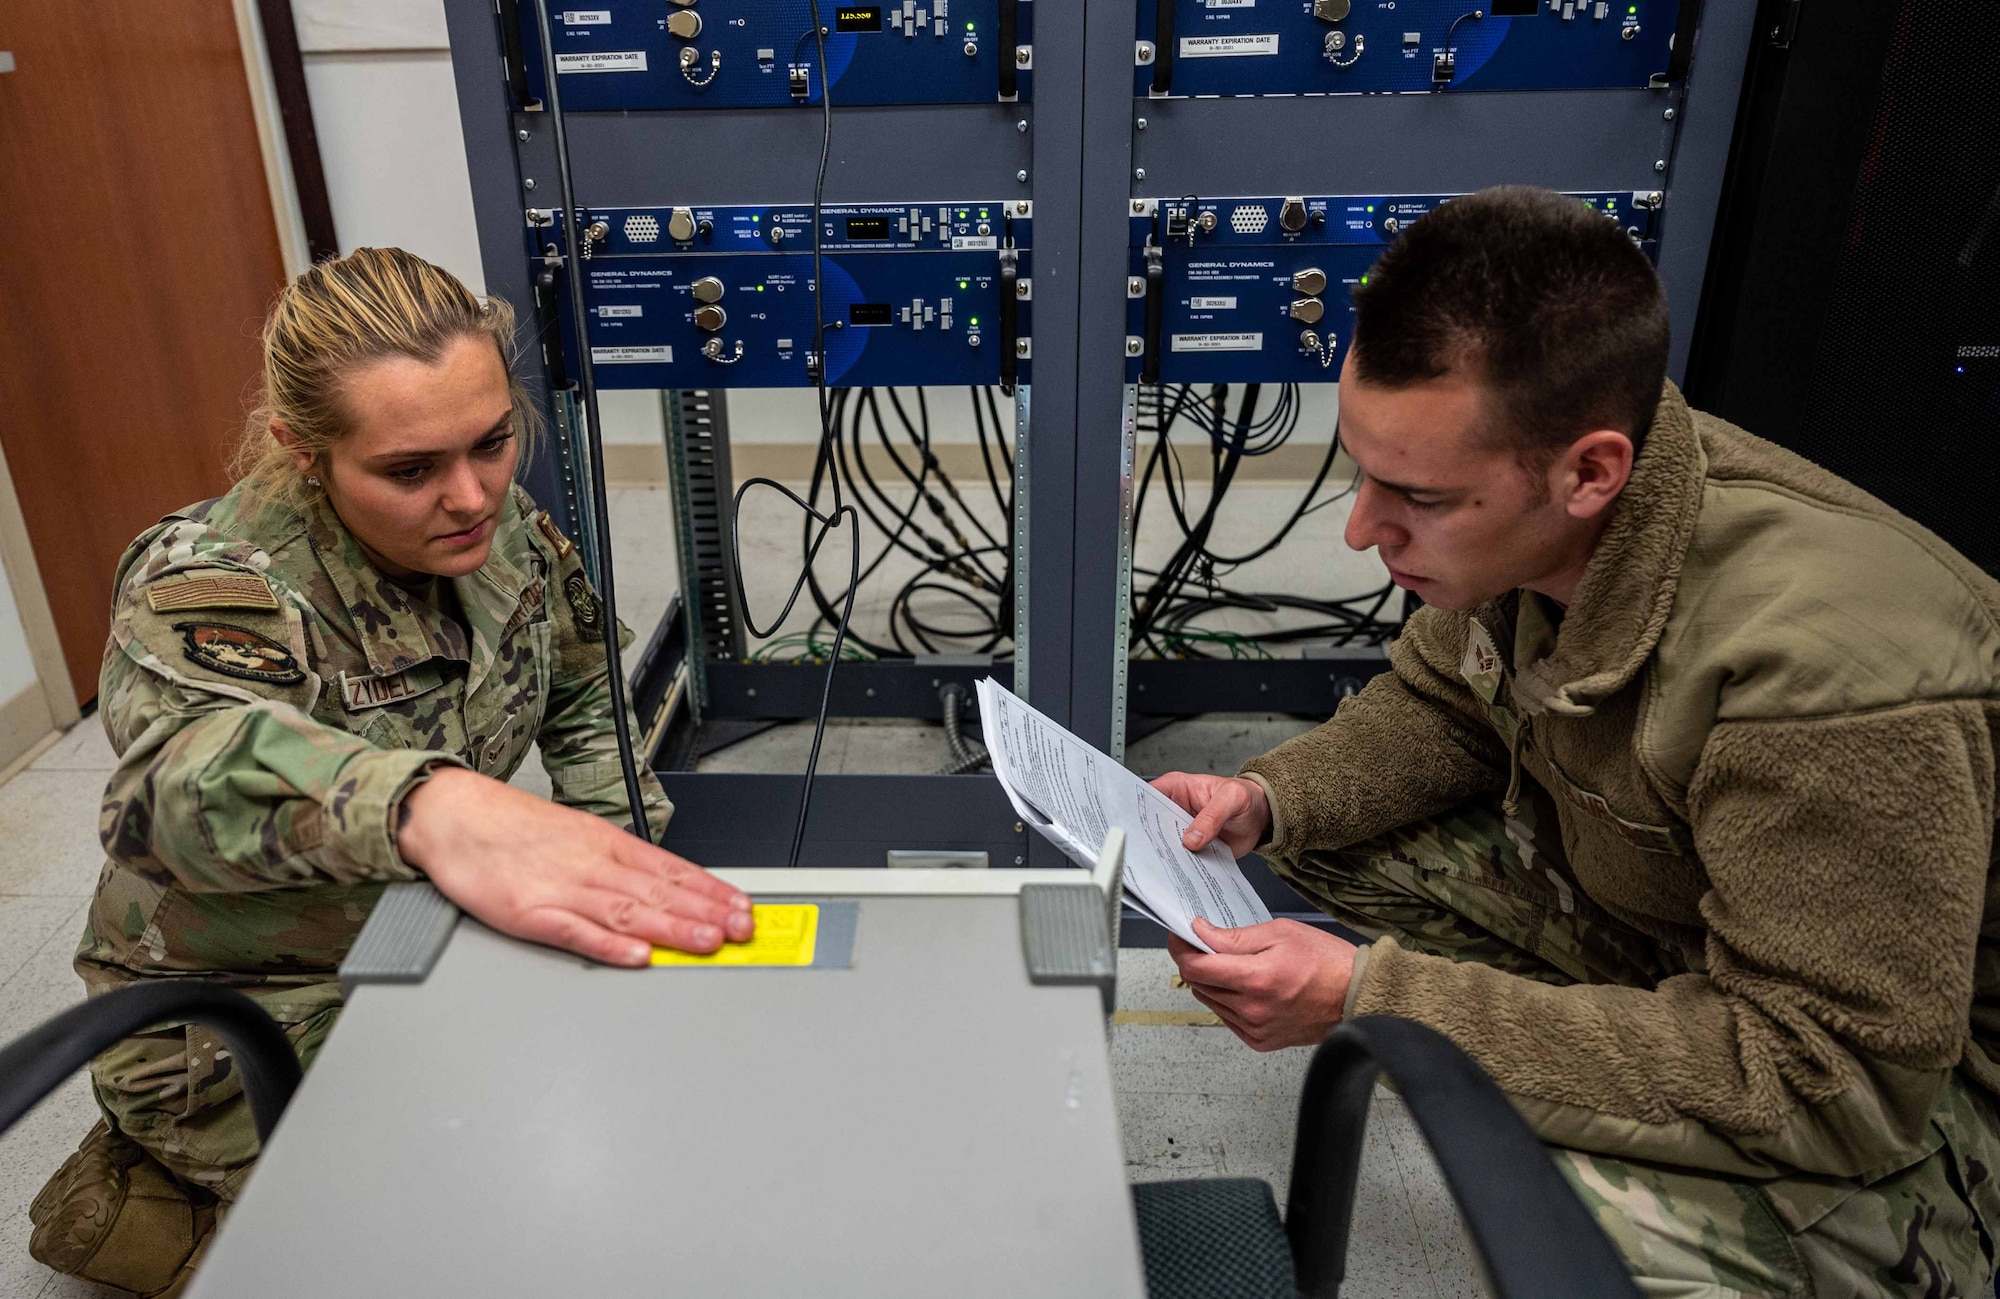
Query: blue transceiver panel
{"x": 1258, "y": 290}
{"x": 649, "y": 54}
{"x": 722, "y": 297}
{"x": 1334, "y": 47}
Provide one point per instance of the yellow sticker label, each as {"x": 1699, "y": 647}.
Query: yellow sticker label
{"x": 785, "y": 935}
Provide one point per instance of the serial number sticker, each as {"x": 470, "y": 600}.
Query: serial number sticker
{"x": 974, "y": 242}
{"x": 609, "y": 312}
{"x": 606, "y": 61}
{"x": 662, "y": 355}
{"x": 1222, "y": 47}
{"x": 586, "y": 17}
{"x": 1218, "y": 343}
{"x": 1211, "y": 304}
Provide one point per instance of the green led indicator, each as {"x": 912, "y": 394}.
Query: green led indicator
{"x": 982, "y": 214}
{"x": 961, "y": 214}
{"x": 755, "y": 219}
{"x": 1364, "y": 279}
{"x": 965, "y": 284}
{"x": 1633, "y": 10}
{"x": 760, "y": 288}
{"x": 968, "y": 27}
{"x": 975, "y": 320}
{"x": 1371, "y": 207}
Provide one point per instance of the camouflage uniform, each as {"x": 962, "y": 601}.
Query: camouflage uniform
{"x": 272, "y": 698}
{"x": 1476, "y": 884}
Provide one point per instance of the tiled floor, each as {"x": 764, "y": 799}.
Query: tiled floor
{"x": 1194, "y": 1101}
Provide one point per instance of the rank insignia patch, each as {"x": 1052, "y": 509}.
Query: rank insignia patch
{"x": 584, "y": 606}
{"x": 239, "y": 652}
{"x": 554, "y": 534}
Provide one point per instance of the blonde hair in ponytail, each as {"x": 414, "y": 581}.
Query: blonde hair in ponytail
{"x": 371, "y": 305}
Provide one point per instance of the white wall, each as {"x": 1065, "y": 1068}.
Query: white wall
{"x": 33, "y": 698}
{"x": 17, "y": 666}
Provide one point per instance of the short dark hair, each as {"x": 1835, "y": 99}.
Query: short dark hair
{"x": 1536, "y": 295}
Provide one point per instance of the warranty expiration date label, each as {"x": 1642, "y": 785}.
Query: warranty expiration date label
{"x": 1227, "y": 47}
{"x": 602, "y": 61}
{"x": 1251, "y": 342}
{"x": 787, "y": 933}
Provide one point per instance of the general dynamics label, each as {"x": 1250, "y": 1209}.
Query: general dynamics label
{"x": 662, "y": 355}
{"x": 1219, "y": 47}
{"x": 607, "y": 61}
{"x": 1218, "y": 343}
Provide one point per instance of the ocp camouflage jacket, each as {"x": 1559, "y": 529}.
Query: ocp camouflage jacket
{"x": 272, "y": 698}
{"x": 1768, "y": 721}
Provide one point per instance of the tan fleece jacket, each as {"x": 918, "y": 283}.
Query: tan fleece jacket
{"x": 1769, "y": 720}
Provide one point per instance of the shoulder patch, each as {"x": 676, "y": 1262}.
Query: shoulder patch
{"x": 556, "y": 538}
{"x": 239, "y": 652}
{"x": 584, "y": 607}
{"x": 211, "y": 589}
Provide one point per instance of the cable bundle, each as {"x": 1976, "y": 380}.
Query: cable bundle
{"x": 962, "y": 559}
{"x": 965, "y": 561}
{"x": 1188, "y": 586}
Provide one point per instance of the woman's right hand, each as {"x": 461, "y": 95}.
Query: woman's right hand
{"x": 551, "y": 874}
{"x": 1230, "y": 808}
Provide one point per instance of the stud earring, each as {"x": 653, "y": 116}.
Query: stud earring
{"x": 311, "y": 481}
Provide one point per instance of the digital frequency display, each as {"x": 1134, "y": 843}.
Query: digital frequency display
{"x": 858, "y": 18}
{"x": 871, "y": 313}
{"x": 868, "y": 227}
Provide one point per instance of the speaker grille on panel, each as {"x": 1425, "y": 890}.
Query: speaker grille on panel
{"x": 642, "y": 229}
{"x": 1904, "y": 397}
{"x": 1249, "y": 219}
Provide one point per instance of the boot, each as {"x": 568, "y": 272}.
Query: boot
{"x": 114, "y": 1215}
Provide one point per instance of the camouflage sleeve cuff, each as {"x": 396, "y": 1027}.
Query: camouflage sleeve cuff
{"x": 375, "y": 784}
{"x": 1276, "y": 835}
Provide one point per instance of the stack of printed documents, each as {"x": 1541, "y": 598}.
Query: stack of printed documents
{"x": 1073, "y": 793}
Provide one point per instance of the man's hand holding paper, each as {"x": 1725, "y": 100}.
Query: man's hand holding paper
{"x": 1072, "y": 793}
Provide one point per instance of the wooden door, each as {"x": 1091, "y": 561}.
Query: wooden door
{"x": 139, "y": 256}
